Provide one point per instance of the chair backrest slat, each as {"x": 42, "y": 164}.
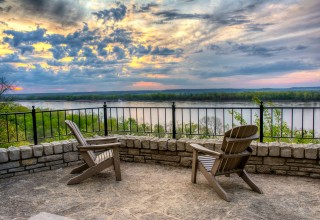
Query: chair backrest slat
{"x": 81, "y": 140}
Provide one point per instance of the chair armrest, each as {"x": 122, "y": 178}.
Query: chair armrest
{"x": 102, "y": 139}
{"x": 99, "y": 147}
{"x": 251, "y": 138}
{"x": 198, "y": 147}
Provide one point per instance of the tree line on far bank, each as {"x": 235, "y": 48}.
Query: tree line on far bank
{"x": 186, "y": 96}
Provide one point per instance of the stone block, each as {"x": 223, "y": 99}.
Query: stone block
{"x": 139, "y": 159}
{"x": 209, "y": 144}
{"x": 67, "y": 146}
{"x": 70, "y": 156}
{"x": 58, "y": 166}
{"x": 181, "y": 144}
{"x": 54, "y": 163}
{"x": 163, "y": 144}
{"x": 127, "y": 159}
{"x": 165, "y": 158}
{"x": 18, "y": 169}
{"x": 253, "y": 160}
{"x": 14, "y": 153}
{"x": 280, "y": 168}
{"x": 298, "y": 151}
{"x": 314, "y": 175}
{"x": 4, "y": 157}
{"x": 186, "y": 161}
{"x": 297, "y": 173}
{"x": 21, "y": 173}
{"x": 3, "y": 172}
{"x": 147, "y": 151}
{"x": 274, "y": 149}
{"x": 137, "y": 142}
{"x": 172, "y": 145}
{"x": 173, "y": 164}
{"x": 41, "y": 169}
{"x": 311, "y": 151}
{"x": 74, "y": 144}
{"x": 147, "y": 161}
{"x": 263, "y": 149}
{"x": 254, "y": 146}
{"x": 250, "y": 168}
{"x": 310, "y": 170}
{"x": 123, "y": 150}
{"x": 47, "y": 148}
{"x": 130, "y": 142}
{"x": 9, "y": 165}
{"x": 35, "y": 166}
{"x": 173, "y": 153}
{"x": 134, "y": 151}
{"x": 302, "y": 161}
{"x": 26, "y": 152}
{"x": 285, "y": 150}
{"x": 146, "y": 142}
{"x": 274, "y": 161}
{"x": 6, "y": 175}
{"x": 280, "y": 172}
{"x": 37, "y": 150}
{"x": 185, "y": 154}
{"x": 29, "y": 162}
{"x": 50, "y": 158}
{"x": 263, "y": 169}
{"x": 154, "y": 143}
{"x": 57, "y": 147}
{"x": 123, "y": 141}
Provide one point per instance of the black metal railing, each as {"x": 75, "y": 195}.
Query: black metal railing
{"x": 275, "y": 123}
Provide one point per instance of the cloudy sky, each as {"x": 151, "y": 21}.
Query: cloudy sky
{"x": 102, "y": 45}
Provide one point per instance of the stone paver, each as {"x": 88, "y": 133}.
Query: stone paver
{"x": 150, "y": 191}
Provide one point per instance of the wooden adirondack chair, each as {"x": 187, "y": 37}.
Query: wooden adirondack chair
{"x": 94, "y": 163}
{"x": 237, "y": 150}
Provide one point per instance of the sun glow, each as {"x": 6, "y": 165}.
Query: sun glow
{"x": 16, "y": 88}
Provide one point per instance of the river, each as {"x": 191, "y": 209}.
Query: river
{"x": 54, "y": 105}
{"x": 296, "y": 119}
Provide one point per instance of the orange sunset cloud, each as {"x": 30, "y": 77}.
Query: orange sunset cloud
{"x": 291, "y": 78}
{"x": 150, "y": 85}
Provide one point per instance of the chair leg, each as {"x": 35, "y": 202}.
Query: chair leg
{"x": 194, "y": 166}
{"x": 214, "y": 183}
{"x": 90, "y": 172}
{"x": 116, "y": 163}
{"x": 80, "y": 169}
{"x": 244, "y": 175}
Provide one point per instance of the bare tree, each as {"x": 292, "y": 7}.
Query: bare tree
{"x": 5, "y": 86}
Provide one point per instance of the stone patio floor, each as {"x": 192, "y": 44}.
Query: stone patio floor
{"x": 154, "y": 192}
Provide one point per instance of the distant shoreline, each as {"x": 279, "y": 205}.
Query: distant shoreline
{"x": 231, "y": 95}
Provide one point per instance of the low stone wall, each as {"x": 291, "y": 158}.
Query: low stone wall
{"x": 16, "y": 161}
{"x": 270, "y": 158}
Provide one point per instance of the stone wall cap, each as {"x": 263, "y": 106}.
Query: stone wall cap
{"x": 285, "y": 144}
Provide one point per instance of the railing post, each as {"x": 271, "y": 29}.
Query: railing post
{"x": 34, "y": 125}
{"x": 261, "y": 121}
{"x": 105, "y": 118}
{"x": 173, "y": 120}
